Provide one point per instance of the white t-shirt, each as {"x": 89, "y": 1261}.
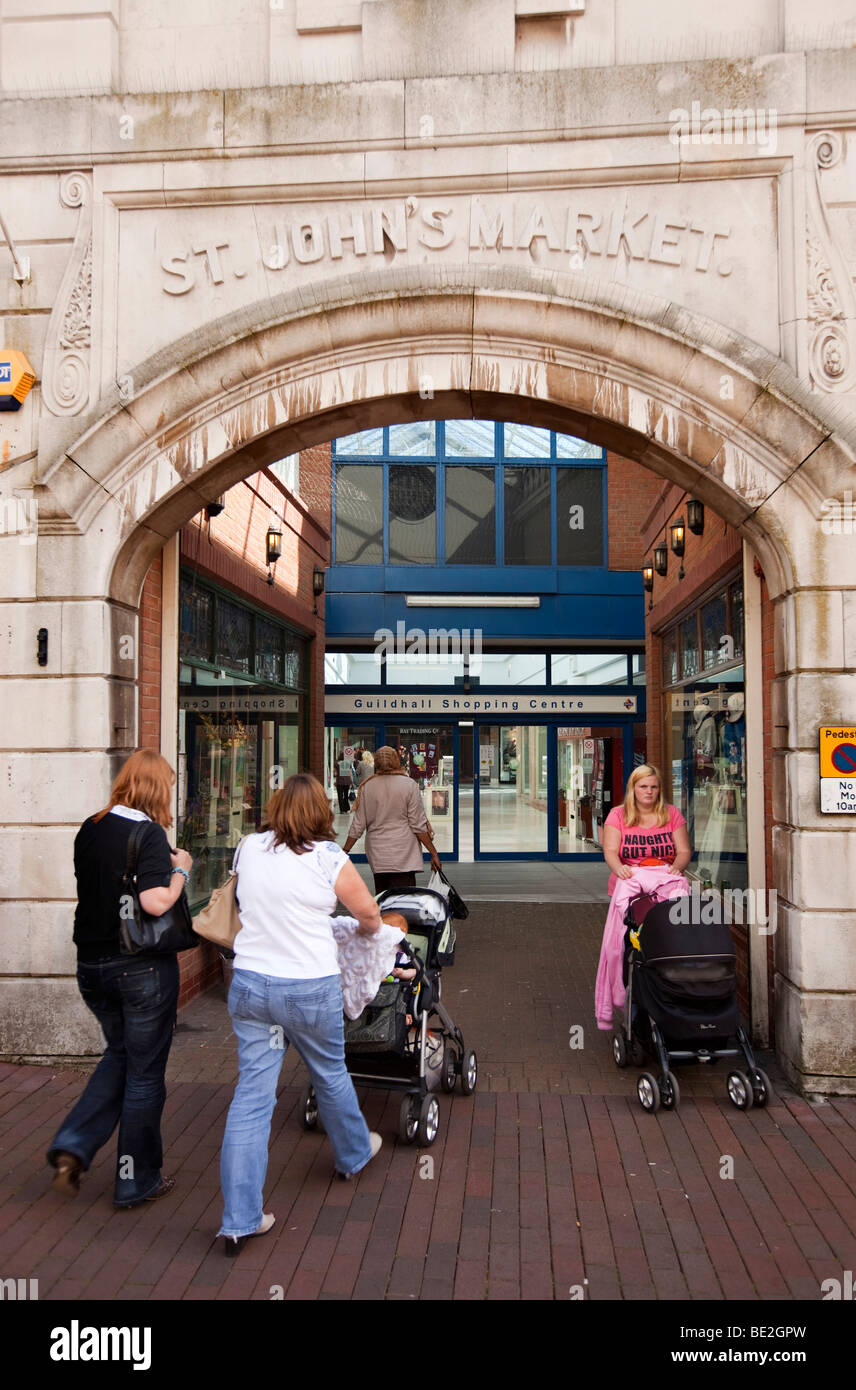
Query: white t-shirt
{"x": 285, "y": 900}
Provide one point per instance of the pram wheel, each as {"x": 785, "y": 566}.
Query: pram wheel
{"x": 408, "y": 1119}
{"x": 762, "y": 1087}
{"x": 308, "y": 1108}
{"x": 740, "y": 1091}
{"x": 449, "y": 1074}
{"x": 469, "y": 1072}
{"x": 619, "y": 1050}
{"x": 670, "y": 1091}
{"x": 648, "y": 1092}
{"x": 429, "y": 1121}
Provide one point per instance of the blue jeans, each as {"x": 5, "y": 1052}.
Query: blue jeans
{"x": 134, "y": 999}
{"x": 268, "y": 1013}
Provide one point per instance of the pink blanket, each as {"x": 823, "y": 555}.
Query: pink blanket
{"x": 609, "y": 990}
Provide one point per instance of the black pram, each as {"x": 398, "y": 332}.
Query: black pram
{"x": 389, "y": 1045}
{"x": 681, "y": 1002}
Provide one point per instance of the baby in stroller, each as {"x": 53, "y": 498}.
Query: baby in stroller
{"x": 403, "y": 968}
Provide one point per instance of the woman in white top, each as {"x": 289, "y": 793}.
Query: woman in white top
{"x": 286, "y": 989}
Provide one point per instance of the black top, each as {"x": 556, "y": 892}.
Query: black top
{"x": 99, "y": 863}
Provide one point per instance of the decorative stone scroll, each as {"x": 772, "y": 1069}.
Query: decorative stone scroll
{"x": 66, "y": 377}
{"x": 831, "y": 298}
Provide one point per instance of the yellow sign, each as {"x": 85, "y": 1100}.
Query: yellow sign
{"x": 838, "y": 752}
{"x": 16, "y": 379}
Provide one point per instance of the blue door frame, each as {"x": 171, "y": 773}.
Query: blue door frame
{"x": 552, "y": 853}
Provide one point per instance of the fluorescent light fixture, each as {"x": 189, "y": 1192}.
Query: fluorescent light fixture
{"x": 465, "y": 723}
{"x": 473, "y": 600}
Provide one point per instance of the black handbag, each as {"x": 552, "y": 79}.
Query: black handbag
{"x": 457, "y": 906}
{"x": 138, "y": 930}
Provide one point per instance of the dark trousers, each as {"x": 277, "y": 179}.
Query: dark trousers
{"x": 134, "y": 1000}
{"x": 396, "y": 881}
{"x": 342, "y": 791}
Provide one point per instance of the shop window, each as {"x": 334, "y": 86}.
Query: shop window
{"x": 269, "y": 652}
{"x": 471, "y": 516}
{"x": 412, "y": 514}
{"x": 714, "y": 622}
{"x": 735, "y": 594}
{"x": 638, "y": 669}
{"x": 688, "y": 633}
{"x": 359, "y": 514}
{"x": 197, "y": 624}
{"x": 527, "y": 516}
{"x": 416, "y": 669}
{"x": 579, "y": 516}
{"x": 705, "y": 735}
{"x": 234, "y": 636}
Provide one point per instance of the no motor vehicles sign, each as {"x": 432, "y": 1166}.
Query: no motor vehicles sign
{"x": 838, "y": 770}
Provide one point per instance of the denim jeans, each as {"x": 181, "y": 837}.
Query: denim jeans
{"x": 268, "y": 1013}
{"x": 134, "y": 999}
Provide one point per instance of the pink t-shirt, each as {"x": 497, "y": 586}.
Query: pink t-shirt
{"x": 644, "y": 847}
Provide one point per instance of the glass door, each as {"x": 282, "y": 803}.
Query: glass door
{"x": 590, "y": 776}
{"x": 512, "y": 800}
{"x": 427, "y": 753}
{"x": 348, "y": 760}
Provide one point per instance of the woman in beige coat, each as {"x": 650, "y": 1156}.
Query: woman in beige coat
{"x": 389, "y": 810}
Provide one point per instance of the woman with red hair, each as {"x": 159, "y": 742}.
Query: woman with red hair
{"x": 134, "y": 998}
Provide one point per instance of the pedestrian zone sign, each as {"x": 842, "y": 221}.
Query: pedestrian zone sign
{"x": 838, "y": 770}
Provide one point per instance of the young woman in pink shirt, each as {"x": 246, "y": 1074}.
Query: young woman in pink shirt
{"x": 646, "y": 832}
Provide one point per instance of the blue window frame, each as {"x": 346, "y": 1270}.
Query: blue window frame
{"x": 573, "y": 474}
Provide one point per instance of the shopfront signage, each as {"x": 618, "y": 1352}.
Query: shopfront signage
{"x": 242, "y": 704}
{"x": 838, "y": 770}
{"x": 526, "y": 706}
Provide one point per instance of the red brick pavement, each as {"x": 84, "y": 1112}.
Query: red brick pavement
{"x": 550, "y": 1182}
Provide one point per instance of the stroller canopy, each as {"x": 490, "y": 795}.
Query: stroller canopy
{"x": 664, "y": 936}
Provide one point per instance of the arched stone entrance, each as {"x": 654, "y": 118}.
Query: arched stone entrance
{"x": 689, "y": 399}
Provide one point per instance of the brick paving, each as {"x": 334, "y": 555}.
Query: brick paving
{"x": 551, "y": 1179}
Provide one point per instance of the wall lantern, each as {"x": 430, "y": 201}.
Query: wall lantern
{"x": 648, "y": 583}
{"x": 216, "y": 507}
{"x": 661, "y": 558}
{"x": 273, "y": 544}
{"x": 695, "y": 516}
{"x": 677, "y": 534}
{"x": 317, "y": 587}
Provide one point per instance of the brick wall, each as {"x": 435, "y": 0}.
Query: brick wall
{"x": 231, "y": 549}
{"x": 149, "y": 681}
{"x": 631, "y": 492}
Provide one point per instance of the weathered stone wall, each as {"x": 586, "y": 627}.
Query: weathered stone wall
{"x": 220, "y": 277}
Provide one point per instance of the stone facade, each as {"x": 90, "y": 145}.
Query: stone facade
{"x": 654, "y": 250}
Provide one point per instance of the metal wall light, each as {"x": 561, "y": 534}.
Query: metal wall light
{"x": 216, "y": 507}
{"x": 273, "y": 547}
{"x": 317, "y": 586}
{"x": 648, "y": 583}
{"x": 695, "y": 516}
{"x": 273, "y": 544}
{"x": 661, "y": 558}
{"x": 677, "y": 535}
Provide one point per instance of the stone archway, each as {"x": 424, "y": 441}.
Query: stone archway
{"x": 680, "y": 394}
